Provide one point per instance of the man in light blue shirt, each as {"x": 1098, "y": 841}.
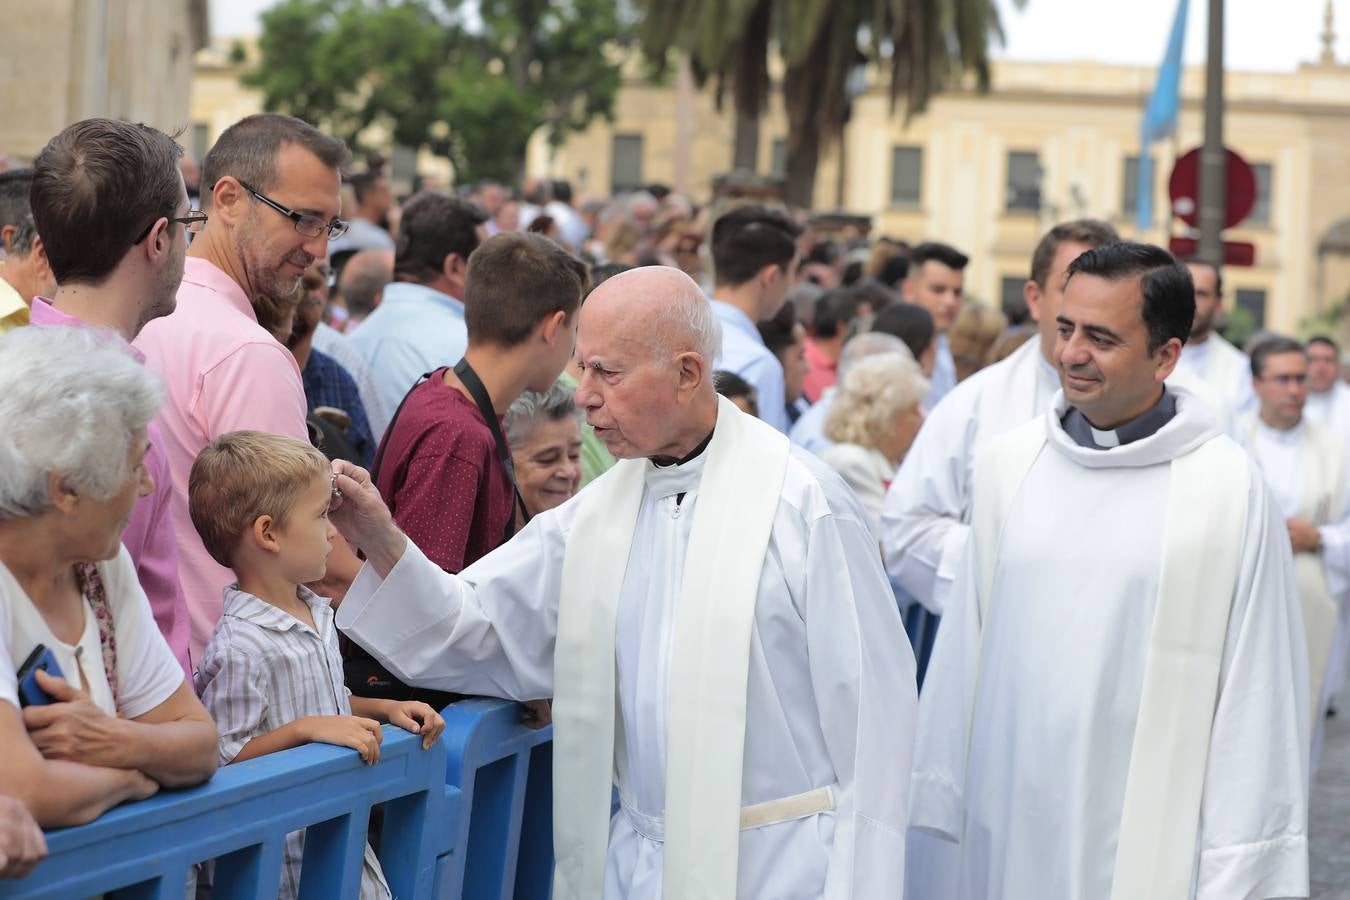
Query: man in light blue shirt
{"x": 936, "y": 282}
{"x": 419, "y": 324}
{"x": 754, "y": 252}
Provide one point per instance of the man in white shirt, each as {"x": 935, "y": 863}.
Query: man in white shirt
{"x": 1304, "y": 464}
{"x": 1208, "y": 358}
{"x": 1117, "y": 703}
{"x": 419, "y": 324}
{"x": 936, "y": 281}
{"x": 711, "y": 617}
{"x": 754, "y": 252}
{"x": 1328, "y": 396}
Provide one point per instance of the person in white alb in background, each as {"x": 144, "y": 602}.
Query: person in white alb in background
{"x": 1328, "y": 395}
{"x": 1209, "y": 359}
{"x": 1304, "y": 464}
{"x": 1117, "y": 704}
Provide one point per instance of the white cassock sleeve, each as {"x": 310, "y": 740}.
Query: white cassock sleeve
{"x": 862, "y": 674}
{"x": 489, "y": 630}
{"x": 1254, "y": 814}
{"x": 923, "y": 532}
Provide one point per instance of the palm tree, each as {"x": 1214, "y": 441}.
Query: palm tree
{"x": 921, "y": 46}
{"x": 727, "y": 44}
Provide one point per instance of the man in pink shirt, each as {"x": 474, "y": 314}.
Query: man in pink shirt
{"x": 271, "y": 188}
{"x": 113, "y": 217}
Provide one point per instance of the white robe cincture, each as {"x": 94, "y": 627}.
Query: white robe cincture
{"x": 1032, "y": 720}
{"x": 829, "y": 692}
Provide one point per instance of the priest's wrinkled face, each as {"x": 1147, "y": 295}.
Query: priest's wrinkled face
{"x": 1106, "y": 365}
{"x": 641, "y": 376}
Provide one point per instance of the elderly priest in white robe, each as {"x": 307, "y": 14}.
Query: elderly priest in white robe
{"x": 1116, "y": 705}
{"x": 711, "y": 617}
{"x": 1304, "y": 464}
{"x": 926, "y": 515}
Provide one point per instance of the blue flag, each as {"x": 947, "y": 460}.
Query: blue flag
{"x": 1160, "y": 115}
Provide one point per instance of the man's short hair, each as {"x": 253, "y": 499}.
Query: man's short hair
{"x": 433, "y": 226}
{"x": 834, "y": 311}
{"x": 14, "y": 187}
{"x": 1169, "y": 294}
{"x": 562, "y": 192}
{"x": 911, "y": 323}
{"x": 1327, "y": 340}
{"x": 243, "y": 475}
{"x": 363, "y": 183}
{"x": 1218, "y": 273}
{"x": 1274, "y": 345}
{"x": 748, "y": 238}
{"x": 97, "y": 186}
{"x": 1092, "y": 232}
{"x": 362, "y": 280}
{"x": 780, "y": 332}
{"x": 932, "y": 251}
{"x": 875, "y": 294}
{"x": 731, "y": 386}
{"x": 604, "y": 272}
{"x": 515, "y": 281}
{"x": 248, "y": 149}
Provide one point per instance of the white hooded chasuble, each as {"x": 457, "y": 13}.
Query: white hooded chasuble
{"x": 829, "y": 693}
{"x": 1030, "y": 717}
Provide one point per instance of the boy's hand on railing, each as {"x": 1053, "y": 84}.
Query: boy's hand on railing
{"x": 22, "y": 845}
{"x": 419, "y": 718}
{"x": 362, "y": 735}
{"x": 537, "y": 713}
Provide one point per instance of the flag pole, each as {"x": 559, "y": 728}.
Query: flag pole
{"x": 1213, "y": 160}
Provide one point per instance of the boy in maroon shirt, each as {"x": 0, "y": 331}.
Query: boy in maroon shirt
{"x": 444, "y": 466}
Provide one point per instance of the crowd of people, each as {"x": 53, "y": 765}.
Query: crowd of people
{"x": 305, "y": 459}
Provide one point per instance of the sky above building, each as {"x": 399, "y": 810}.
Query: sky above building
{"x": 1260, "y": 35}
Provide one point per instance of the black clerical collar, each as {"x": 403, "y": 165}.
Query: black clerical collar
{"x": 664, "y": 461}
{"x": 1141, "y": 426}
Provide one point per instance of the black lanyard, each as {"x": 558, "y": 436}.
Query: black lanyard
{"x": 469, "y": 378}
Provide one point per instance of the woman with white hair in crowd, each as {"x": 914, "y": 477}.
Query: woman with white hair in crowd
{"x": 873, "y": 420}
{"x": 122, "y": 720}
{"x": 544, "y": 433}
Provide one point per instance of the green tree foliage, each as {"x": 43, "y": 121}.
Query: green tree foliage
{"x": 470, "y": 80}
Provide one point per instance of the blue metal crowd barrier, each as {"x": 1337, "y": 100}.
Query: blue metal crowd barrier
{"x": 468, "y": 818}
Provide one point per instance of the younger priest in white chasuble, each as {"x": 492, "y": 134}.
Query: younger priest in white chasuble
{"x": 1304, "y": 464}
{"x": 710, "y": 615}
{"x": 1117, "y": 703}
{"x": 926, "y": 515}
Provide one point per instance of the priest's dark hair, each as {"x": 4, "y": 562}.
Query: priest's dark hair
{"x": 1169, "y": 294}
{"x": 1275, "y": 345}
{"x": 748, "y": 238}
{"x": 1328, "y": 340}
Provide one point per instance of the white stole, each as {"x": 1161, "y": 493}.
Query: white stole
{"x": 738, "y": 496}
{"x": 1205, "y": 519}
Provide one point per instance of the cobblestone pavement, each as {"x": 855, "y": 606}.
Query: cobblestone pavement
{"x": 1329, "y": 813}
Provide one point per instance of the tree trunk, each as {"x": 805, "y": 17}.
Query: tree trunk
{"x": 745, "y": 157}
{"x": 802, "y": 160}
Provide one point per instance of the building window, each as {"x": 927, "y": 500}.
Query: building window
{"x": 1129, "y": 193}
{"x": 626, "y": 165}
{"x": 906, "y": 176}
{"x": 778, "y": 165}
{"x": 201, "y": 140}
{"x": 1253, "y": 301}
{"x": 1024, "y": 182}
{"x": 1260, "y": 214}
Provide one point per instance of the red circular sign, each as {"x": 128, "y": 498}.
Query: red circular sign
{"x": 1184, "y": 189}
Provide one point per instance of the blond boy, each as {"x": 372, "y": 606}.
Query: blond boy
{"x": 271, "y": 675}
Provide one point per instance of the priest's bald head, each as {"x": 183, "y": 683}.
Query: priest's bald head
{"x": 1127, "y": 311}
{"x": 645, "y": 346}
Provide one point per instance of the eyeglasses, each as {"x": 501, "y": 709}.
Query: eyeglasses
{"x": 306, "y": 224}
{"x": 1286, "y": 380}
{"x": 193, "y": 222}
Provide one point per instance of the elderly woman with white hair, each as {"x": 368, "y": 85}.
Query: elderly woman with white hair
{"x": 544, "y": 433}
{"x": 121, "y": 721}
{"x": 873, "y": 421}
